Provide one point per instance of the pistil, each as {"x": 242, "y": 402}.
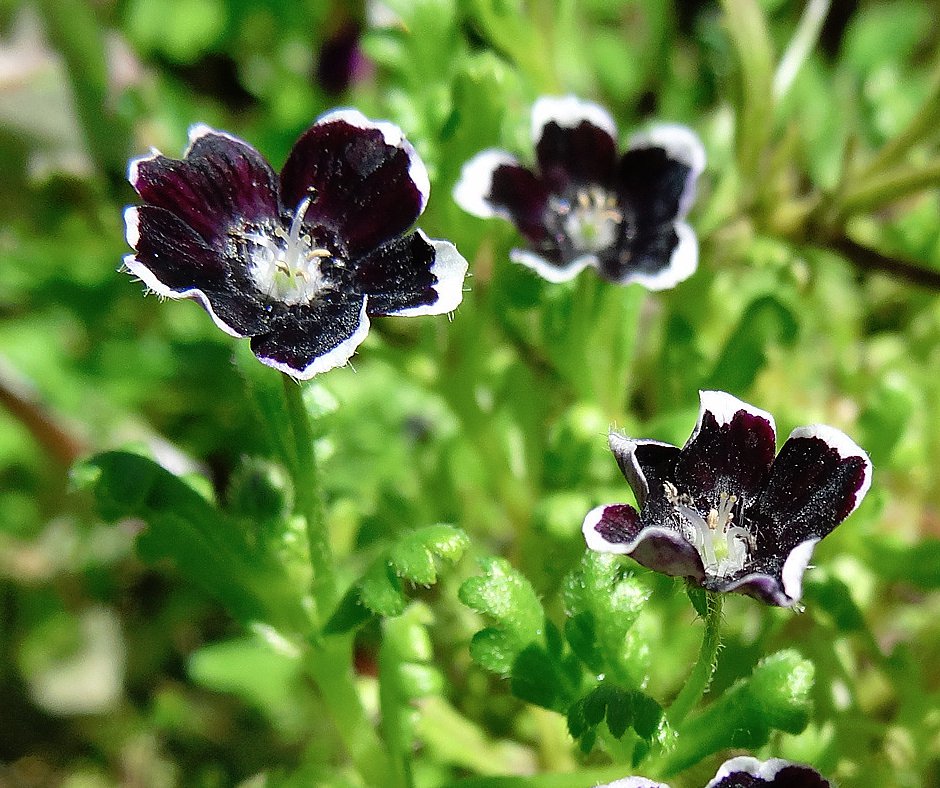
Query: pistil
{"x": 722, "y": 546}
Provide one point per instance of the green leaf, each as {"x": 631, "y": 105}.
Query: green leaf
{"x": 619, "y": 712}
{"x": 766, "y": 322}
{"x": 603, "y": 600}
{"x": 211, "y": 549}
{"x": 413, "y": 558}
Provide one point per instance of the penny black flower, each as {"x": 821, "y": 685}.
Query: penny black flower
{"x": 746, "y": 772}
{"x": 298, "y": 262}
{"x": 723, "y": 511}
{"x": 583, "y": 205}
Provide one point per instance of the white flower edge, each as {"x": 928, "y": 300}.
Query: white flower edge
{"x": 475, "y": 185}
{"x": 449, "y": 268}
{"x": 569, "y": 112}
{"x": 724, "y": 407}
{"x": 548, "y": 270}
{"x": 683, "y": 262}
{"x": 392, "y": 135}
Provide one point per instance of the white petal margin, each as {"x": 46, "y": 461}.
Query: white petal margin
{"x": 763, "y": 770}
{"x": 633, "y": 782}
{"x": 473, "y": 189}
{"x": 595, "y": 541}
{"x": 548, "y": 270}
{"x": 336, "y": 357}
{"x": 723, "y": 407}
{"x": 846, "y": 448}
{"x": 683, "y": 262}
{"x": 569, "y": 112}
{"x": 142, "y": 272}
{"x": 393, "y": 136}
{"x": 624, "y": 449}
{"x": 449, "y": 268}
{"x": 683, "y": 145}
{"x": 795, "y": 566}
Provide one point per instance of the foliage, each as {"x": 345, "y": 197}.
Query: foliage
{"x": 164, "y": 618}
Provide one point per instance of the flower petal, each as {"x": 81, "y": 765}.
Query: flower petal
{"x": 175, "y": 262}
{"x": 658, "y": 259}
{"x": 659, "y": 171}
{"x": 411, "y": 276}
{"x": 550, "y": 270}
{"x": 221, "y": 181}
{"x": 474, "y": 189}
{"x": 306, "y": 339}
{"x": 575, "y": 141}
{"x": 519, "y": 194}
{"x": 747, "y": 772}
{"x": 818, "y": 479}
{"x": 633, "y": 782}
{"x": 772, "y": 579}
{"x": 730, "y": 450}
{"x": 616, "y": 528}
{"x": 644, "y": 463}
{"x": 366, "y": 181}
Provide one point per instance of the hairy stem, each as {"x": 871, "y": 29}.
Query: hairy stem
{"x": 309, "y": 498}
{"x": 701, "y": 675}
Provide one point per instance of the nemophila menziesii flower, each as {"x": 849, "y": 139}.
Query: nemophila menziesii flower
{"x": 297, "y": 262}
{"x": 746, "y": 772}
{"x": 584, "y": 205}
{"x": 722, "y": 510}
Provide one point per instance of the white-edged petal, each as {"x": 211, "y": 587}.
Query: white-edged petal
{"x": 765, "y": 770}
{"x": 795, "y": 566}
{"x": 393, "y": 136}
{"x": 568, "y": 112}
{"x": 683, "y": 145}
{"x": 134, "y": 164}
{"x": 473, "y": 189}
{"x": 683, "y": 262}
{"x": 594, "y": 540}
{"x": 336, "y": 357}
{"x": 548, "y": 270}
{"x": 449, "y": 268}
{"x": 199, "y": 130}
{"x": 633, "y": 782}
{"x": 624, "y": 449}
{"x": 723, "y": 407}
{"x": 846, "y": 448}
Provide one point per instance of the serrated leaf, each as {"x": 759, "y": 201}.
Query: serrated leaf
{"x": 603, "y": 600}
{"x": 381, "y": 590}
{"x": 619, "y": 712}
{"x": 534, "y": 677}
{"x": 413, "y": 555}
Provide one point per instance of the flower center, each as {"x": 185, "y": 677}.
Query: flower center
{"x": 286, "y": 267}
{"x": 591, "y": 220}
{"x": 723, "y": 547}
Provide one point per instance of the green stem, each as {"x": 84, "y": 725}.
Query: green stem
{"x": 701, "y": 675}
{"x": 310, "y": 501}
{"x": 330, "y": 667}
{"x": 802, "y": 43}
{"x": 884, "y": 187}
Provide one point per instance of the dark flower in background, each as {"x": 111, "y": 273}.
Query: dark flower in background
{"x": 585, "y": 206}
{"x": 341, "y": 61}
{"x": 722, "y": 511}
{"x": 298, "y": 262}
{"x": 746, "y": 772}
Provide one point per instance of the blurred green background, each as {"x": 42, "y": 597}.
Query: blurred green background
{"x": 816, "y": 299}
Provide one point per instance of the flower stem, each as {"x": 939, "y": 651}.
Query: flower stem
{"x": 701, "y": 675}
{"x": 309, "y": 498}
{"x": 330, "y": 660}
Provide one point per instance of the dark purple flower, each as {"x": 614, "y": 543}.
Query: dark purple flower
{"x": 722, "y": 510}
{"x": 341, "y": 61}
{"x": 582, "y": 205}
{"x": 746, "y": 772}
{"x": 298, "y": 262}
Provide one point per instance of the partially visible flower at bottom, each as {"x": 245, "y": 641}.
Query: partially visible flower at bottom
{"x": 299, "y": 261}
{"x": 746, "y": 772}
{"x": 725, "y": 513}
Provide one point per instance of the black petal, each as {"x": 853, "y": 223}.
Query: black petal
{"x": 364, "y": 188}
{"x": 652, "y": 184}
{"x": 174, "y": 261}
{"x": 748, "y": 772}
{"x": 221, "y": 182}
{"x": 580, "y": 154}
{"x": 518, "y": 191}
{"x": 645, "y": 464}
{"x": 730, "y": 451}
{"x": 816, "y": 481}
{"x": 306, "y": 339}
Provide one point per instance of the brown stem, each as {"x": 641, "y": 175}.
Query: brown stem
{"x": 24, "y": 403}
{"x": 871, "y": 260}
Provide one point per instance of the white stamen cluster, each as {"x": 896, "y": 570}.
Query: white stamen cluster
{"x": 591, "y": 220}
{"x": 723, "y": 547}
{"x": 287, "y": 266}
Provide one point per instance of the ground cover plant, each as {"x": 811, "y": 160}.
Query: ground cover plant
{"x": 644, "y": 490}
